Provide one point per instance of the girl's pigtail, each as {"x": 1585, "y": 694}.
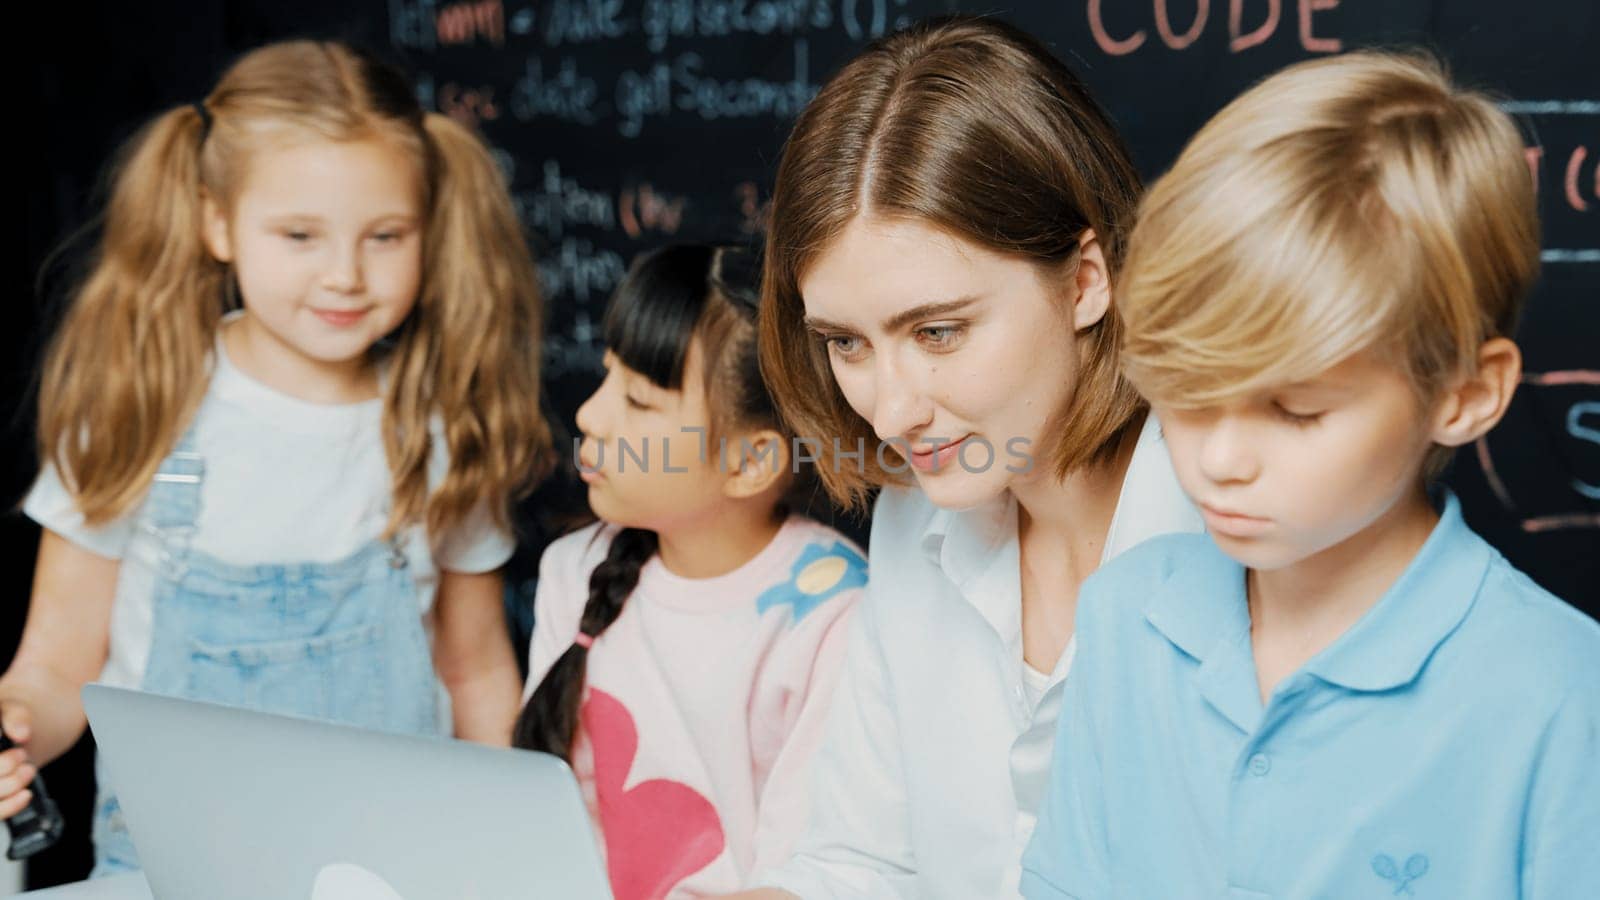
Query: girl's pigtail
{"x": 471, "y": 351}
{"x": 128, "y": 366}
{"x": 549, "y": 721}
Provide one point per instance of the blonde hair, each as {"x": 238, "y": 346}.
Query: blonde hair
{"x": 129, "y": 365}
{"x": 1355, "y": 203}
{"x": 973, "y": 127}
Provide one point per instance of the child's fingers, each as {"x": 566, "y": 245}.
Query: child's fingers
{"x": 17, "y": 722}
{"x": 14, "y": 804}
{"x": 11, "y": 759}
{"x": 17, "y": 781}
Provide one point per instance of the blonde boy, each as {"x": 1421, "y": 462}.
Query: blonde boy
{"x": 1341, "y": 691}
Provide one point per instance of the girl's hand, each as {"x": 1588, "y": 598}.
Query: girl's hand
{"x": 16, "y": 772}
{"x": 64, "y": 646}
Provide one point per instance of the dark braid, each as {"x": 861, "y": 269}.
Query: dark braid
{"x": 549, "y": 721}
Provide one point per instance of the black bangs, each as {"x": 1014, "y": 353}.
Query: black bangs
{"x": 651, "y": 320}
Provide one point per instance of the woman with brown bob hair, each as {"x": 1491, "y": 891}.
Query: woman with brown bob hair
{"x": 949, "y": 219}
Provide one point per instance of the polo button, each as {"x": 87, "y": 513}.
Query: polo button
{"x": 1260, "y": 764}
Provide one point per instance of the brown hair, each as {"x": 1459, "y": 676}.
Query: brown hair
{"x": 128, "y": 367}
{"x": 1360, "y": 202}
{"x": 973, "y": 127}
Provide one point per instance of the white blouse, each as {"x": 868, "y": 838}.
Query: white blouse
{"x": 929, "y": 781}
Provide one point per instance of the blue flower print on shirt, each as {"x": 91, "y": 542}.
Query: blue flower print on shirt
{"x": 1386, "y": 868}
{"x": 818, "y": 574}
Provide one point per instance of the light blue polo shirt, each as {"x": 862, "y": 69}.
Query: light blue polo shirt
{"x": 1444, "y": 747}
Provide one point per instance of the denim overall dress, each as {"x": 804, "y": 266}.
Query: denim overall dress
{"x": 341, "y": 641}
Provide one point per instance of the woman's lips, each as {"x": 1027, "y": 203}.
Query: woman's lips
{"x": 938, "y": 459}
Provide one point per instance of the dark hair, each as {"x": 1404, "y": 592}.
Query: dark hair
{"x": 973, "y": 127}
{"x": 669, "y": 297}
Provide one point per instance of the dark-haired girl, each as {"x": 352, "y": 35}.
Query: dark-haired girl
{"x": 686, "y": 644}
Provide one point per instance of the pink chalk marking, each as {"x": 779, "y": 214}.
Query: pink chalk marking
{"x": 1236, "y": 21}
{"x": 1539, "y": 524}
{"x": 1180, "y": 41}
{"x": 1564, "y": 377}
{"x": 1573, "y": 197}
{"x": 1497, "y": 486}
{"x": 459, "y": 23}
{"x": 630, "y": 223}
{"x": 1558, "y": 523}
{"x": 1309, "y": 41}
{"x": 1112, "y": 46}
{"x": 1534, "y": 156}
{"x": 644, "y": 209}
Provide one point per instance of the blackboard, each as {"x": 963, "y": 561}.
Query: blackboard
{"x": 625, "y": 123}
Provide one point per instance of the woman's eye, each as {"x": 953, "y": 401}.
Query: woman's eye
{"x": 939, "y": 337}
{"x": 636, "y": 403}
{"x": 846, "y": 346}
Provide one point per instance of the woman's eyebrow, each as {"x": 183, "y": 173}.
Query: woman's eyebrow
{"x": 903, "y": 318}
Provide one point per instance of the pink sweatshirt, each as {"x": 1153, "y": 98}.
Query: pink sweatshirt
{"x": 703, "y": 705}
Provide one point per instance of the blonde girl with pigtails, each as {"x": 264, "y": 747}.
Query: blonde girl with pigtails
{"x": 282, "y": 423}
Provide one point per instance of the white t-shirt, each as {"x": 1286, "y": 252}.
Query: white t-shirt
{"x": 286, "y": 480}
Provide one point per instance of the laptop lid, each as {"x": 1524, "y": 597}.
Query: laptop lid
{"x": 225, "y": 802}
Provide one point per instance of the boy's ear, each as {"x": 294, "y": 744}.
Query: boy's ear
{"x": 214, "y": 228}
{"x": 1475, "y": 404}
{"x": 1092, "y": 282}
{"x": 756, "y": 462}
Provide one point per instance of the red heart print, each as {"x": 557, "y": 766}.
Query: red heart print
{"x": 658, "y": 832}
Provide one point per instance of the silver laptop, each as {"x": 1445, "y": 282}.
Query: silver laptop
{"x": 223, "y": 802}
